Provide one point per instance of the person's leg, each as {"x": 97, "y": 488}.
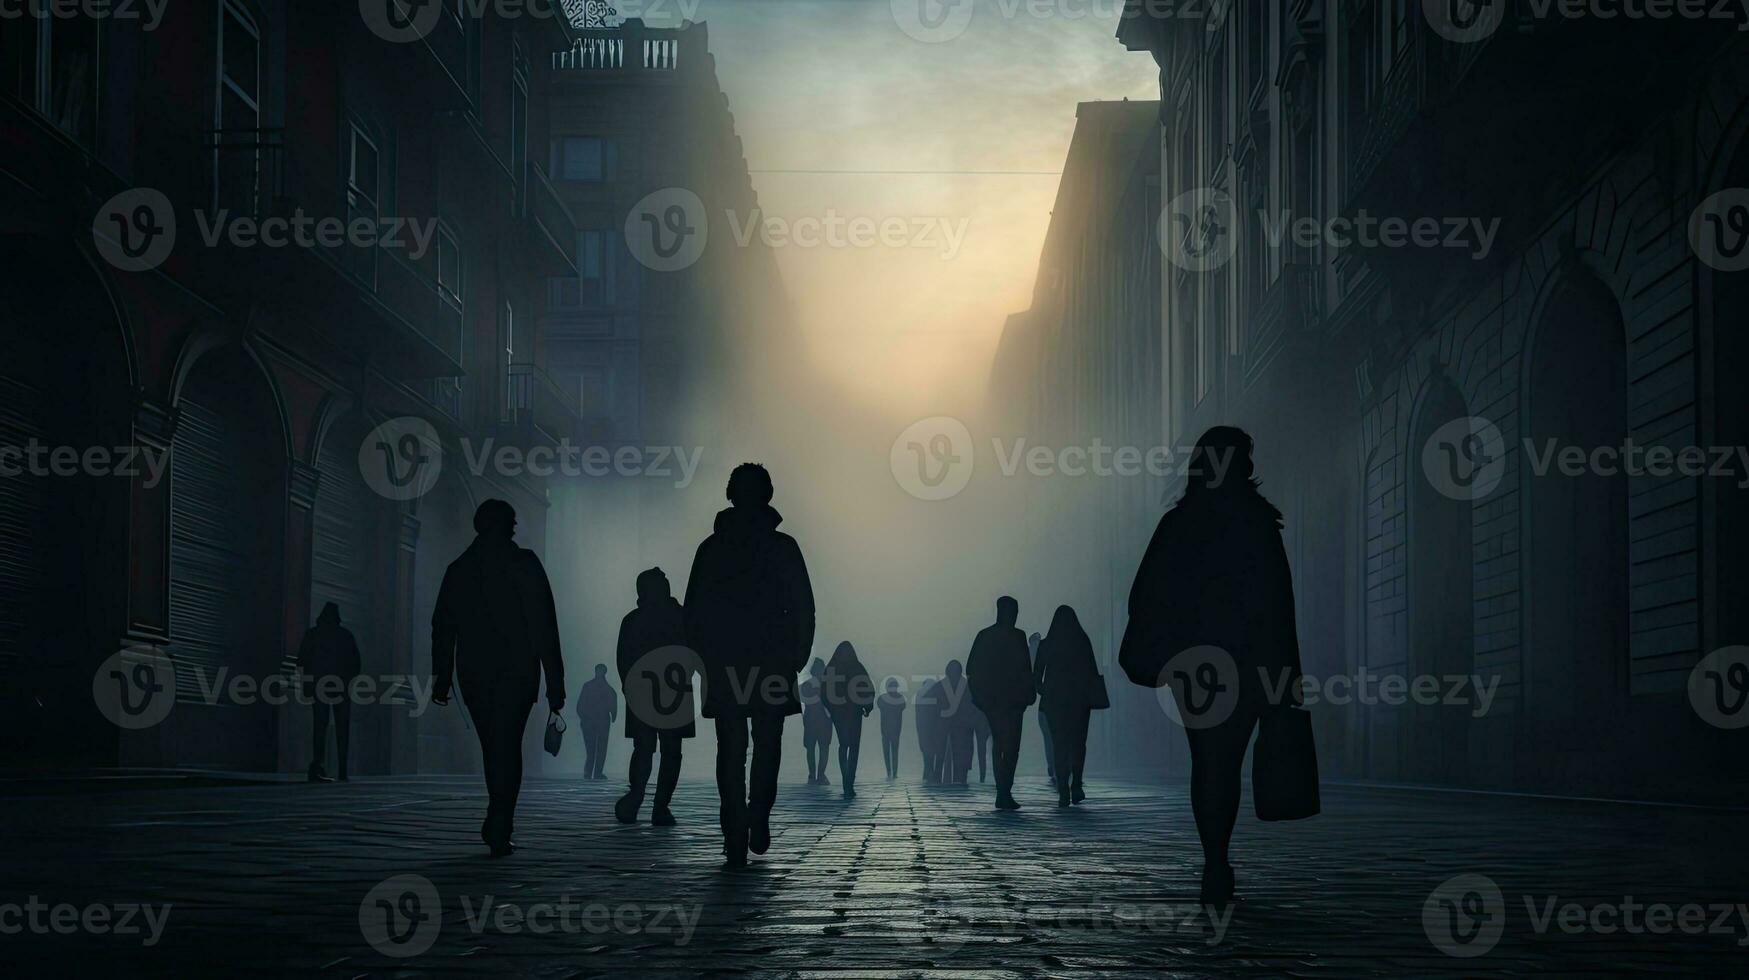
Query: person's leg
{"x": 342, "y": 737}
{"x": 732, "y": 785}
{"x": 1061, "y": 764}
{"x": 637, "y": 777}
{"x": 601, "y": 746}
{"x": 319, "y": 738}
{"x": 510, "y": 718}
{"x": 812, "y": 749}
{"x": 669, "y": 776}
{"x": 1217, "y": 757}
{"x": 1078, "y": 752}
{"x": 1044, "y": 727}
{"x": 762, "y": 792}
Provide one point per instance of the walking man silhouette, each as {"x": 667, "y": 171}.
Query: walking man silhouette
{"x": 1000, "y": 676}
{"x": 651, "y": 651}
{"x": 750, "y": 617}
{"x": 597, "y": 709}
{"x": 892, "y": 705}
{"x": 496, "y": 630}
{"x": 328, "y": 660}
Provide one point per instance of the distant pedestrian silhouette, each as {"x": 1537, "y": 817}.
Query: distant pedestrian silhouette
{"x": 1215, "y": 574}
{"x": 849, "y": 696}
{"x": 1070, "y": 689}
{"x": 328, "y": 660}
{"x": 495, "y": 629}
{"x": 597, "y": 709}
{"x": 931, "y": 732}
{"x": 816, "y": 723}
{"x": 750, "y": 617}
{"x": 892, "y": 705}
{"x": 1000, "y": 676}
{"x": 981, "y": 740}
{"x": 956, "y": 725}
{"x": 658, "y": 623}
{"x": 1044, "y": 721}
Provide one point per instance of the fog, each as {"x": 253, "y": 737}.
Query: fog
{"x": 842, "y": 114}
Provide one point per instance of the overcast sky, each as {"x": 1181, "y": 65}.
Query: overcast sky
{"x": 868, "y": 85}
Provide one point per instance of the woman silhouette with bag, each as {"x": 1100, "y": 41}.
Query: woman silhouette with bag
{"x": 1212, "y": 615}
{"x": 1070, "y": 690}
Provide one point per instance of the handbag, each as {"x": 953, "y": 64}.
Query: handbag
{"x": 1098, "y": 697}
{"x": 1284, "y": 766}
{"x": 555, "y": 732}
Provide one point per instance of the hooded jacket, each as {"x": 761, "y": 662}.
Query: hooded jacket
{"x": 750, "y": 613}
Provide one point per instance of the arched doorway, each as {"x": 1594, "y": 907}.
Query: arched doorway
{"x": 227, "y": 516}
{"x": 1441, "y": 633}
{"x": 1576, "y": 536}
{"x": 65, "y": 386}
{"x": 348, "y": 567}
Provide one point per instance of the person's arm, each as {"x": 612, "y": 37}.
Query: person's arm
{"x": 1284, "y": 641}
{"x": 543, "y": 621}
{"x": 443, "y": 635}
{"x": 799, "y": 601}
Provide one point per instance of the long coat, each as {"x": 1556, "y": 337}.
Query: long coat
{"x": 1216, "y": 573}
{"x": 999, "y": 670}
{"x": 654, "y": 625}
{"x": 495, "y": 623}
{"x": 750, "y": 614}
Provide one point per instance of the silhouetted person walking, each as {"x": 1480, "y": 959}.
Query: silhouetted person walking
{"x": 1070, "y": 689}
{"x": 816, "y": 723}
{"x": 328, "y": 659}
{"x": 658, "y": 623}
{"x": 1000, "y": 677}
{"x": 597, "y": 708}
{"x": 496, "y": 630}
{"x": 1216, "y": 574}
{"x": 1044, "y": 721}
{"x": 892, "y": 705}
{"x": 931, "y": 733}
{"x": 750, "y": 617}
{"x": 849, "y": 697}
{"x": 956, "y": 725}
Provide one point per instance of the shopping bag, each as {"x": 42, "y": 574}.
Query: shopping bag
{"x": 1284, "y": 766}
{"x": 1098, "y": 696}
{"x": 555, "y": 732}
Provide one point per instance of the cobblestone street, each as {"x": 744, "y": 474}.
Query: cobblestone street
{"x": 903, "y": 881}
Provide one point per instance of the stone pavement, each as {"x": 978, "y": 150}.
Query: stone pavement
{"x": 905, "y": 880}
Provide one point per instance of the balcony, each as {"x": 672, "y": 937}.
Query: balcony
{"x": 631, "y": 48}
{"x": 1287, "y": 314}
{"x": 552, "y": 237}
{"x": 371, "y": 299}
{"x": 540, "y": 409}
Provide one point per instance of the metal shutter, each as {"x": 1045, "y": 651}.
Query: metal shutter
{"x": 22, "y": 557}
{"x": 211, "y": 537}
{"x": 344, "y": 538}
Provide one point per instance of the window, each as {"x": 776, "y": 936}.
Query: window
{"x": 1256, "y": 44}
{"x": 594, "y": 285}
{"x": 581, "y": 158}
{"x": 449, "y": 268}
{"x": 53, "y": 64}
{"x": 507, "y": 336}
{"x": 594, "y": 393}
{"x": 362, "y": 173}
{"x": 237, "y": 145}
{"x": 518, "y": 114}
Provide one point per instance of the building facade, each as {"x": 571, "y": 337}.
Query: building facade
{"x": 259, "y": 362}
{"x": 1405, "y": 390}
